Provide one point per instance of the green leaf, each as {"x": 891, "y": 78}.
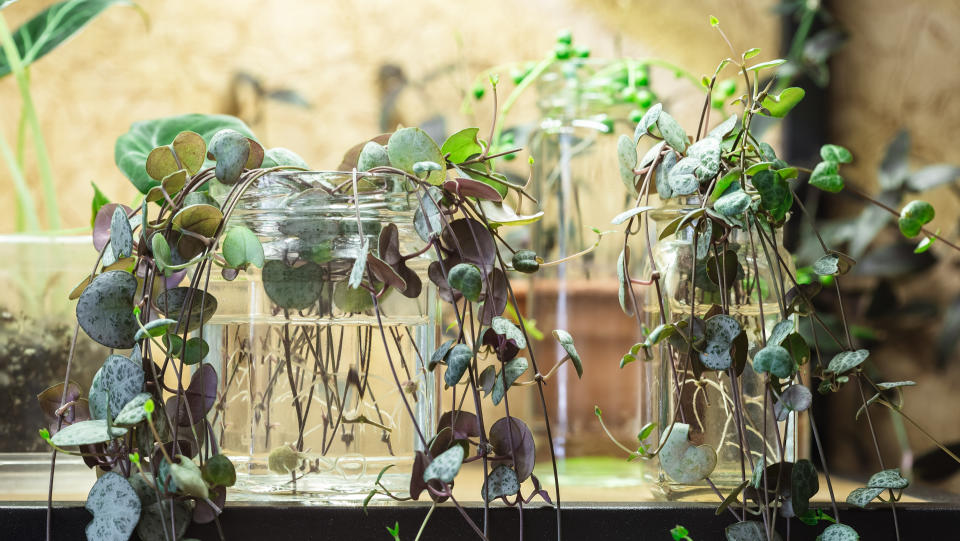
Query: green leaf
{"x": 627, "y": 158}
{"x": 502, "y": 481}
{"x": 862, "y": 496}
{"x": 427, "y": 219}
{"x": 707, "y": 154}
{"x": 173, "y": 303}
{"x": 774, "y": 359}
{"x": 924, "y": 245}
{"x": 203, "y": 220}
{"x": 279, "y": 156}
{"x": 714, "y": 21}
{"x": 804, "y": 484}
{"x": 231, "y": 150}
{"x": 505, "y": 327}
{"x": 683, "y": 178}
{"x": 133, "y": 412}
{"x": 733, "y": 204}
{"x": 294, "y": 288}
{"x": 847, "y": 360}
{"x": 914, "y": 216}
{"x": 86, "y": 433}
{"x": 647, "y": 121}
{"x": 467, "y": 279}
{"x": 241, "y": 247}
{"x": 408, "y": 146}
{"x": 188, "y": 478}
{"x": 121, "y": 234}
{"x": 672, "y": 133}
{"x": 780, "y": 331}
{"x": 825, "y": 176}
{"x": 359, "y": 264}
{"x": 196, "y": 350}
{"x": 749, "y": 530}
{"x": 895, "y": 384}
{"x": 105, "y": 309}
{"x": 458, "y": 360}
{"x": 778, "y": 106}
{"x": 664, "y": 190}
{"x": 117, "y": 382}
{"x": 682, "y": 461}
{"x": 720, "y": 331}
{"x": 446, "y": 466}
{"x": 52, "y": 26}
{"x": 775, "y": 195}
{"x": 513, "y": 369}
{"x": 115, "y": 507}
{"x": 219, "y": 471}
{"x": 622, "y": 278}
{"x": 835, "y": 153}
{"x": 155, "y": 328}
{"x": 839, "y": 532}
{"x": 832, "y": 264}
{"x": 566, "y": 342}
{"x": 350, "y": 300}
{"x": 889, "y": 479}
{"x": 372, "y": 155}
{"x": 768, "y": 64}
{"x": 99, "y": 200}
{"x": 462, "y": 145}
{"x": 525, "y": 261}
{"x": 133, "y": 147}
{"x": 626, "y": 215}
{"x": 421, "y": 169}
{"x": 750, "y": 53}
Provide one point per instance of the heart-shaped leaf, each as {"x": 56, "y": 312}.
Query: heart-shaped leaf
{"x": 778, "y": 106}
{"x": 672, "y": 133}
{"x": 195, "y": 351}
{"x": 733, "y": 204}
{"x": 627, "y": 158}
{"x": 496, "y": 299}
{"x": 683, "y": 177}
{"x": 566, "y": 342}
{"x": 833, "y": 264}
{"x": 647, "y": 121}
{"x": 862, "y": 496}
{"x": 422, "y": 169}
{"x": 775, "y": 195}
{"x": 847, "y": 360}
{"x": 218, "y": 470}
{"x": 499, "y": 214}
{"x": 203, "y": 220}
{"x": 294, "y": 288}
{"x": 350, "y": 300}
{"x": 199, "y": 397}
{"x": 173, "y": 303}
{"x": 86, "y": 433}
{"x": 115, "y": 508}
{"x": 525, "y": 261}
{"x": 682, "y": 461}
{"x": 407, "y": 146}
{"x": 707, "y": 154}
{"x": 914, "y": 216}
{"x": 52, "y": 399}
{"x": 446, "y": 466}
{"x": 749, "y": 530}
{"x": 804, "y": 484}
{"x": 462, "y": 146}
{"x": 466, "y": 279}
{"x": 826, "y": 177}
{"x": 241, "y": 247}
{"x": 117, "y": 382}
{"x": 188, "y": 478}
{"x": 780, "y": 331}
{"x": 506, "y": 328}
{"x": 794, "y": 398}
{"x": 664, "y": 190}
{"x": 511, "y": 437}
{"x": 458, "y": 360}
{"x": 724, "y": 270}
{"x": 720, "y": 331}
{"x": 839, "y": 532}
{"x": 231, "y": 150}
{"x": 105, "y": 309}
{"x": 121, "y": 234}
{"x": 133, "y": 147}
{"x": 774, "y": 359}
{"x": 191, "y": 149}
{"x": 890, "y": 479}
{"x": 278, "y": 156}
{"x": 502, "y": 481}
{"x": 133, "y": 412}
{"x": 836, "y": 153}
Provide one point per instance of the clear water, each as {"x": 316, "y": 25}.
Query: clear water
{"x": 323, "y": 388}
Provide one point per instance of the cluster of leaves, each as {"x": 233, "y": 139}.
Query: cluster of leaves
{"x": 156, "y": 452}
{"x": 737, "y": 183}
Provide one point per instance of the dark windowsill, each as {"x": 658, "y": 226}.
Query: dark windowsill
{"x": 644, "y": 520}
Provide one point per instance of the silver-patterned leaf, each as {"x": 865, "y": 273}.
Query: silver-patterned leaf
{"x": 446, "y": 466}
{"x": 115, "y": 508}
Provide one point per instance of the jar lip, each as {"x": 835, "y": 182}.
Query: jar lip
{"x": 306, "y": 191}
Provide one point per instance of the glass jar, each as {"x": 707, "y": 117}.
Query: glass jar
{"x": 577, "y": 182}
{"x": 706, "y": 403}
{"x": 317, "y": 391}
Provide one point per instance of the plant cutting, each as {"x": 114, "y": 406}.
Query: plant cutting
{"x": 153, "y": 419}
{"x": 703, "y": 271}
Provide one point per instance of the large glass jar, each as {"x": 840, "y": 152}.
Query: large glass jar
{"x": 706, "y": 403}
{"x": 577, "y": 181}
{"x": 318, "y": 393}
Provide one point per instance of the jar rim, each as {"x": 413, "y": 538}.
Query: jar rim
{"x": 311, "y": 191}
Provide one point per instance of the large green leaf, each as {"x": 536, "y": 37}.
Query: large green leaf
{"x": 52, "y": 26}
{"x": 132, "y": 148}
{"x": 115, "y": 507}
{"x": 408, "y": 146}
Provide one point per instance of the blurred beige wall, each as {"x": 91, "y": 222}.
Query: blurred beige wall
{"x": 117, "y": 71}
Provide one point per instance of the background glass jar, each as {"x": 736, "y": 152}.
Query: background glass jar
{"x": 573, "y": 147}
{"x": 317, "y": 391}
{"x": 706, "y": 403}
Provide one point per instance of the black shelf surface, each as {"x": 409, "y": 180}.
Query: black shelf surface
{"x": 645, "y": 520}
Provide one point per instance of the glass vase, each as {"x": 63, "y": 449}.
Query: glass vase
{"x": 577, "y": 182}
{"x": 706, "y": 403}
{"x": 319, "y": 392}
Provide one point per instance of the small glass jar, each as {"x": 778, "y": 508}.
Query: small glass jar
{"x": 706, "y": 403}
{"x": 577, "y": 182}
{"x": 317, "y": 390}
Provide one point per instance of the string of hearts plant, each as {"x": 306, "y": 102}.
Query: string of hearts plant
{"x": 743, "y": 193}
{"x": 144, "y": 420}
